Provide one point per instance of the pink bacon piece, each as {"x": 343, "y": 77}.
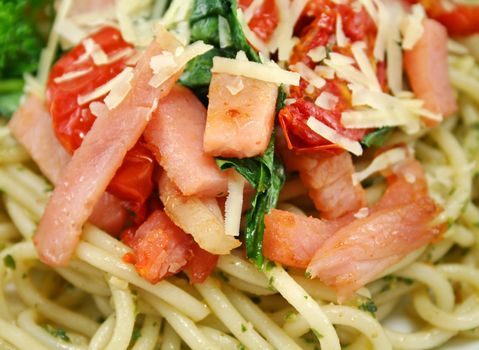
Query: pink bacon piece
{"x": 32, "y": 127}
{"x": 175, "y": 132}
{"x": 426, "y": 66}
{"x": 328, "y": 178}
{"x": 94, "y": 164}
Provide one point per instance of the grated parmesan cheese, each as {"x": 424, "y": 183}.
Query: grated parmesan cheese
{"x": 326, "y": 100}
{"x": 105, "y": 88}
{"x": 317, "y": 54}
{"x": 308, "y": 74}
{"x": 349, "y": 73}
{"x": 224, "y": 32}
{"x": 325, "y": 72}
{"x": 251, "y": 36}
{"x": 162, "y": 62}
{"x": 236, "y": 85}
{"x": 119, "y": 89}
{"x": 339, "y": 59}
{"x": 241, "y": 56}
{"x": 370, "y": 9}
{"x": 251, "y": 10}
{"x": 341, "y": 38}
{"x": 334, "y": 137}
{"x": 127, "y": 52}
{"x": 382, "y": 162}
{"x": 289, "y": 101}
{"x": 98, "y": 109}
{"x": 234, "y": 204}
{"x": 411, "y": 26}
{"x": 93, "y": 50}
{"x": 362, "y": 213}
{"x": 365, "y": 65}
{"x": 309, "y": 89}
{"x": 163, "y": 72}
{"x": 282, "y": 39}
{"x": 254, "y": 70}
{"x": 370, "y": 118}
{"x": 71, "y": 75}
{"x": 383, "y": 23}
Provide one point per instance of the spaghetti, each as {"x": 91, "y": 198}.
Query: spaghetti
{"x": 99, "y": 301}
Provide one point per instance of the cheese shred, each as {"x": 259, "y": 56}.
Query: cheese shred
{"x": 334, "y": 137}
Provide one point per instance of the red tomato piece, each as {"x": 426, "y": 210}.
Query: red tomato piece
{"x": 317, "y": 27}
{"x": 265, "y": 20}
{"x": 133, "y": 181}
{"x": 72, "y": 121}
{"x": 201, "y": 264}
{"x": 300, "y": 137}
{"x": 460, "y": 19}
{"x": 160, "y": 248}
{"x": 463, "y": 20}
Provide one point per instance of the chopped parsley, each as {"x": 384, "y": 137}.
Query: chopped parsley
{"x": 307, "y": 274}
{"x": 316, "y": 333}
{"x": 255, "y": 299}
{"x": 9, "y": 262}
{"x": 243, "y": 328}
{"x": 269, "y": 265}
{"x": 369, "y": 306}
{"x": 136, "y": 334}
{"x": 393, "y": 279}
{"x": 290, "y": 316}
{"x": 57, "y": 333}
{"x": 223, "y": 276}
{"x": 271, "y": 281}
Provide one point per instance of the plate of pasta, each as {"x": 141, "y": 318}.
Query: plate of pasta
{"x": 239, "y": 174}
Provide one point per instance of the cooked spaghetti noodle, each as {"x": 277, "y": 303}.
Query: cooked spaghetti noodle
{"x": 99, "y": 301}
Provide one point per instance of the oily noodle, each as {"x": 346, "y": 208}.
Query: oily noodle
{"x": 99, "y": 302}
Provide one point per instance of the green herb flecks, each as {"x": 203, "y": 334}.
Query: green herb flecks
{"x": 316, "y": 333}
{"x": 377, "y": 138}
{"x": 369, "y": 306}
{"x": 57, "y": 333}
{"x": 136, "y": 334}
{"x": 9, "y": 262}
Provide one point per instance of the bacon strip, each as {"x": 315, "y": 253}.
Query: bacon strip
{"x": 358, "y": 252}
{"x": 427, "y": 68}
{"x": 396, "y": 226}
{"x": 292, "y": 239}
{"x": 239, "y": 124}
{"x": 94, "y": 164}
{"x": 175, "y": 133}
{"x": 348, "y": 252}
{"x": 32, "y": 127}
{"x": 328, "y": 178}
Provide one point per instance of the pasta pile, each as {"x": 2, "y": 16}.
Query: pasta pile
{"x": 100, "y": 302}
